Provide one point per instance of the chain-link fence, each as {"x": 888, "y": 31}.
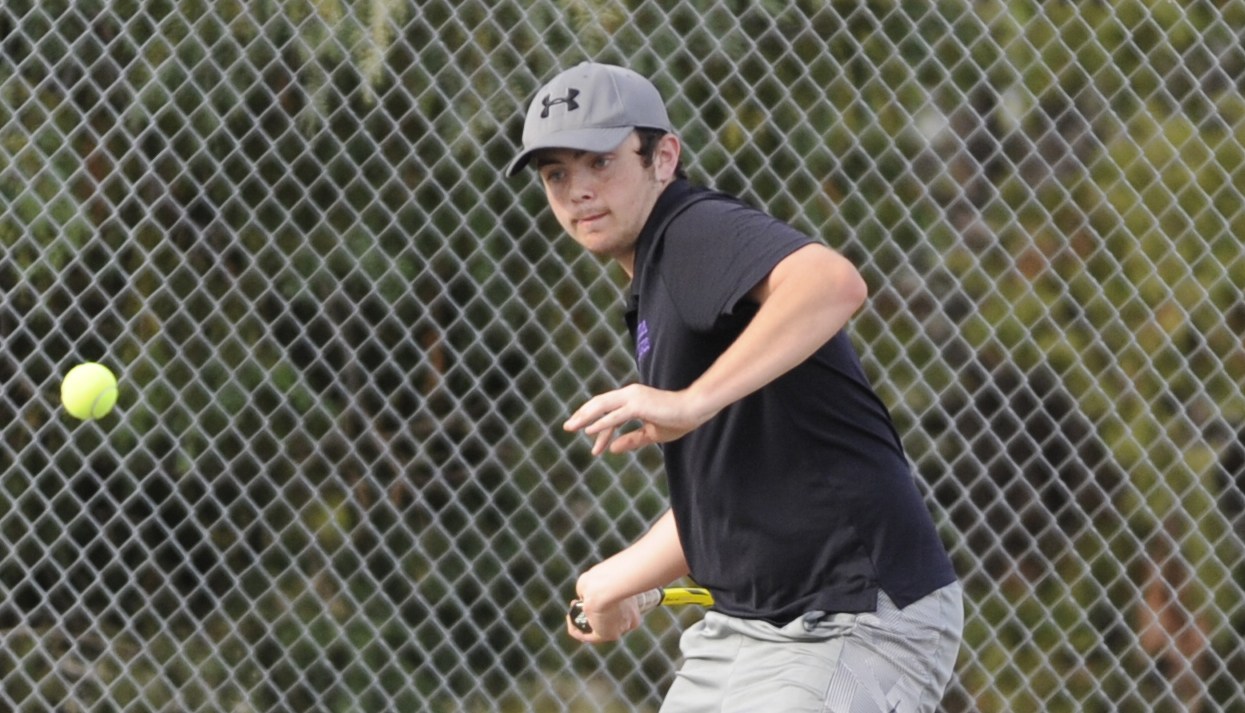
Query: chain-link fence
{"x": 335, "y": 479}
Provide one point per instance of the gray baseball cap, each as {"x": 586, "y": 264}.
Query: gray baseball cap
{"x": 589, "y": 107}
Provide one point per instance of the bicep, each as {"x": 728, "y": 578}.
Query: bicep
{"x": 814, "y": 264}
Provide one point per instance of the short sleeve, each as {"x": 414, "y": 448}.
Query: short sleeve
{"x": 716, "y": 252}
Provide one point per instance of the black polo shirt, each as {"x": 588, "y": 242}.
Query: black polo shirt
{"x": 798, "y": 497}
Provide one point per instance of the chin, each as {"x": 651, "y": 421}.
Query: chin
{"x": 599, "y": 245}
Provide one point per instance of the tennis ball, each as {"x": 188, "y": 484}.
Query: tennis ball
{"x": 89, "y": 391}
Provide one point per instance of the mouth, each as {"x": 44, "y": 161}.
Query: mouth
{"x": 586, "y": 222}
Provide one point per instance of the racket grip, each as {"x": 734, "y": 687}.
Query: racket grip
{"x": 646, "y": 601}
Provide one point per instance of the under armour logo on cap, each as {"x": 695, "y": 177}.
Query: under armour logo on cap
{"x": 568, "y": 100}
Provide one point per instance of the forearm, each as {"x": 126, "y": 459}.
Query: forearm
{"x": 654, "y": 560}
{"x": 808, "y": 298}
{"x": 804, "y": 301}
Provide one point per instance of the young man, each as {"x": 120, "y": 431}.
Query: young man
{"x": 792, "y": 500}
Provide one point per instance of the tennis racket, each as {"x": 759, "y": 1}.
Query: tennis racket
{"x": 647, "y": 601}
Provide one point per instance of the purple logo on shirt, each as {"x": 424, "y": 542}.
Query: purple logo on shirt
{"x": 642, "y": 342}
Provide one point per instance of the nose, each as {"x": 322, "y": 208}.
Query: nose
{"x": 581, "y": 185}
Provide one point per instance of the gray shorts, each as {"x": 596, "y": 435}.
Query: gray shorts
{"x": 890, "y": 660}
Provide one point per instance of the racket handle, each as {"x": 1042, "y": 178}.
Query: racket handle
{"x": 646, "y": 601}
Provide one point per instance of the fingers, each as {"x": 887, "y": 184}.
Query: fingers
{"x": 606, "y": 626}
{"x": 631, "y": 441}
{"x": 661, "y": 416}
{"x": 602, "y": 441}
{"x": 600, "y": 413}
{"x": 600, "y": 417}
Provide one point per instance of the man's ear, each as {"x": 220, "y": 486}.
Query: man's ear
{"x": 666, "y": 157}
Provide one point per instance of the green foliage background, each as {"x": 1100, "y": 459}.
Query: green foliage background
{"x": 335, "y": 481}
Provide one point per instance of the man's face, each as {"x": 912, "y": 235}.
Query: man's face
{"x": 604, "y": 199}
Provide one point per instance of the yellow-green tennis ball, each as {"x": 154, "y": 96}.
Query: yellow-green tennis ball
{"x": 89, "y": 391}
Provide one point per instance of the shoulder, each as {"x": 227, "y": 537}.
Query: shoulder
{"x": 726, "y": 220}
{"x": 707, "y": 206}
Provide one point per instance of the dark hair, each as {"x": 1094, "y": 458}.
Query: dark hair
{"x": 648, "y": 146}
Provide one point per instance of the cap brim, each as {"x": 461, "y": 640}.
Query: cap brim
{"x": 595, "y": 140}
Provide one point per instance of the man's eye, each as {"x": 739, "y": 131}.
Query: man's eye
{"x": 601, "y": 162}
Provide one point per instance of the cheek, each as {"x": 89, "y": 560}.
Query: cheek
{"x": 563, "y": 220}
{"x": 559, "y": 212}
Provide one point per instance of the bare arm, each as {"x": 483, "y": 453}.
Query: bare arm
{"x": 804, "y": 301}
{"x": 654, "y": 560}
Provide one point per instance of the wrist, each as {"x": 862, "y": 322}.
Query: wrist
{"x": 701, "y": 403}
{"x": 593, "y": 587}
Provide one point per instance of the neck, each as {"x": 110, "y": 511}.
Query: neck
{"x": 627, "y": 259}
{"x": 627, "y": 263}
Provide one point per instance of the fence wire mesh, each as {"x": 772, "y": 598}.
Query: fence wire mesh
{"x": 335, "y": 481}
